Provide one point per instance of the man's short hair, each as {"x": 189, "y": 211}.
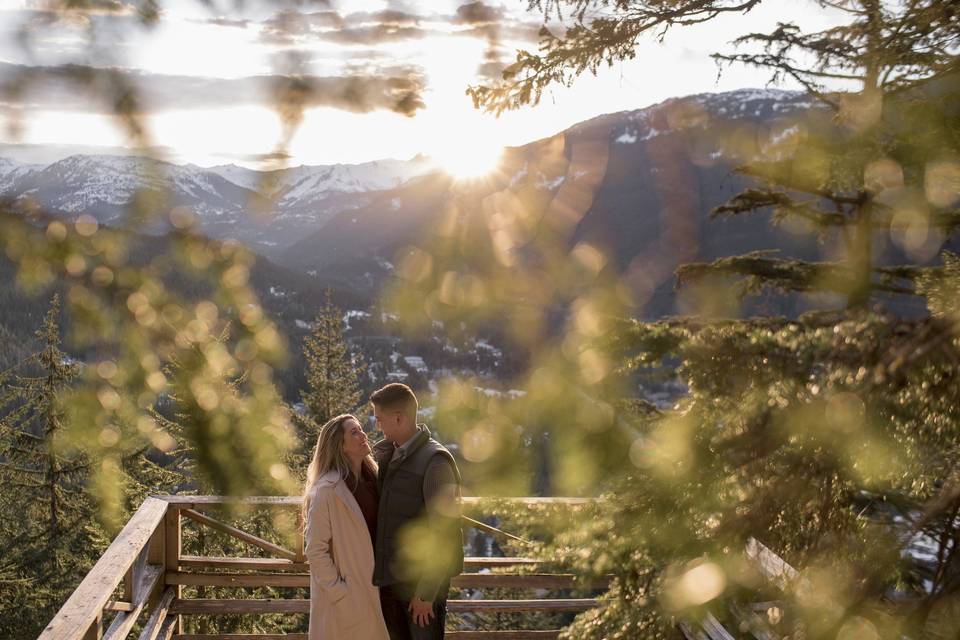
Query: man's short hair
{"x": 395, "y": 396}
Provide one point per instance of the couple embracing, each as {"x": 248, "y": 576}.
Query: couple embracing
{"x": 382, "y": 526}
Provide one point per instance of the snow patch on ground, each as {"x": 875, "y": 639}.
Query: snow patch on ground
{"x": 519, "y": 175}
{"x": 544, "y": 183}
{"x": 787, "y": 133}
{"x": 354, "y": 314}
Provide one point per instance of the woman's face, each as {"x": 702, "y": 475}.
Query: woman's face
{"x": 355, "y": 444}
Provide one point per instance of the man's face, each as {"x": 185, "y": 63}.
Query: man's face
{"x": 388, "y": 421}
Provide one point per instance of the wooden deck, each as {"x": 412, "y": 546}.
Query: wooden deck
{"x": 147, "y": 565}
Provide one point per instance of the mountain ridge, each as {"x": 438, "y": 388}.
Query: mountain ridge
{"x": 664, "y": 167}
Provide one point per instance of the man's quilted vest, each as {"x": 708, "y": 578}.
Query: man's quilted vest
{"x": 402, "y": 503}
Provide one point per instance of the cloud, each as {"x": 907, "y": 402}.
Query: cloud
{"x": 104, "y": 90}
{"x": 478, "y": 13}
{"x": 360, "y": 94}
{"x": 221, "y": 21}
{"x": 387, "y": 17}
{"x": 375, "y": 34}
{"x": 474, "y": 20}
{"x": 514, "y": 31}
{"x": 47, "y": 26}
{"x": 47, "y": 153}
{"x": 64, "y": 7}
{"x": 257, "y": 158}
{"x": 287, "y": 26}
{"x": 100, "y": 6}
{"x": 491, "y": 71}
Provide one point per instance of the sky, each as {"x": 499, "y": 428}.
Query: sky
{"x": 388, "y": 77}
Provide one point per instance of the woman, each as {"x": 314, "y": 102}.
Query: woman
{"x": 340, "y": 516}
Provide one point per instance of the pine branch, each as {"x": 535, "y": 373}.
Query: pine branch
{"x": 761, "y": 271}
{"x": 780, "y": 173}
{"x": 587, "y": 45}
{"x": 752, "y": 200}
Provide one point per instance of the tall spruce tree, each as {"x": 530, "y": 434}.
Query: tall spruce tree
{"x": 333, "y": 371}
{"x": 50, "y": 533}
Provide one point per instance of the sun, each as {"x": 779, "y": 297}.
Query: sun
{"x": 467, "y": 159}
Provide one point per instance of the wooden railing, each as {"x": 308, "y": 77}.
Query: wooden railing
{"x": 756, "y": 618}
{"x": 141, "y": 576}
{"x": 146, "y": 565}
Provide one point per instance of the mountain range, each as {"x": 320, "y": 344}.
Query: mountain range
{"x": 654, "y": 175}
{"x": 265, "y": 210}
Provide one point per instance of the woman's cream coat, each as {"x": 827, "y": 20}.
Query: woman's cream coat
{"x": 344, "y": 604}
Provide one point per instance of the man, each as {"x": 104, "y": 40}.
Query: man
{"x": 419, "y": 544}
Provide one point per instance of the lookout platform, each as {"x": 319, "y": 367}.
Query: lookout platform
{"x": 140, "y": 583}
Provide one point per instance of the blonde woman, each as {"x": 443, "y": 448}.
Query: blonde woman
{"x": 340, "y": 518}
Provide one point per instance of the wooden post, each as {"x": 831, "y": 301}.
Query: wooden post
{"x": 156, "y": 553}
{"x": 81, "y": 616}
{"x": 128, "y": 585}
{"x": 156, "y": 556}
{"x": 299, "y": 548}
{"x": 95, "y": 632}
{"x": 172, "y": 549}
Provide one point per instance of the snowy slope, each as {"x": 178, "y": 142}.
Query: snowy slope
{"x": 297, "y": 185}
{"x": 287, "y": 204}
{"x": 104, "y": 185}
{"x": 279, "y": 213}
{"x": 11, "y": 171}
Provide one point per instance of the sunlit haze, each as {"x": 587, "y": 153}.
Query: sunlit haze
{"x": 199, "y": 62}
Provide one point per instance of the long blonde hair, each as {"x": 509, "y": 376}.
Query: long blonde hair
{"x": 328, "y": 455}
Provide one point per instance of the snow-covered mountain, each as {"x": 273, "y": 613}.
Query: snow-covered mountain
{"x": 312, "y": 216}
{"x": 268, "y": 210}
{"x": 11, "y": 171}
{"x": 643, "y": 183}
{"x": 296, "y": 183}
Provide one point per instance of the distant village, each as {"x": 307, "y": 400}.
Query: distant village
{"x": 422, "y": 363}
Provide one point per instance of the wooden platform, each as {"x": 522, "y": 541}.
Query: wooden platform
{"x": 146, "y": 563}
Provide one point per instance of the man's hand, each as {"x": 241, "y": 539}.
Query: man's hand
{"x": 421, "y": 611}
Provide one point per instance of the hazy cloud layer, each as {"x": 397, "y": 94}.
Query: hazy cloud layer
{"x": 478, "y": 13}
{"x": 88, "y": 89}
{"x": 276, "y": 157}
{"x": 346, "y": 61}
{"x": 387, "y": 17}
{"x": 287, "y": 26}
{"x": 474, "y": 19}
{"x": 44, "y": 154}
{"x": 92, "y": 7}
{"x": 222, "y": 21}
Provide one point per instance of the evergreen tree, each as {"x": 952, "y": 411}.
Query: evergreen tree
{"x": 333, "y": 372}
{"x": 871, "y": 174}
{"x": 833, "y": 437}
{"x": 178, "y": 470}
{"x": 863, "y": 174}
{"x": 50, "y": 537}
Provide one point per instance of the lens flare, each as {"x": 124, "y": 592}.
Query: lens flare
{"x": 467, "y": 158}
